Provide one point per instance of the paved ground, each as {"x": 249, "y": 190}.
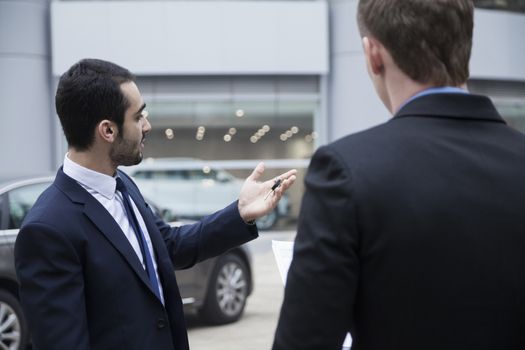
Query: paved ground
{"x": 256, "y": 329}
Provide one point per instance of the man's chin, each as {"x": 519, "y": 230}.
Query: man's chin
{"x": 129, "y": 161}
{"x": 137, "y": 159}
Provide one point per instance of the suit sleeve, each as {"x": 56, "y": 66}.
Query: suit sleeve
{"x": 209, "y": 237}
{"x": 51, "y": 288}
{"x": 322, "y": 281}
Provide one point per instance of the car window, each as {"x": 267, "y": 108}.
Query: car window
{"x": 223, "y": 176}
{"x": 207, "y": 174}
{"x": 21, "y": 200}
{"x": 141, "y": 174}
{"x": 184, "y": 174}
{"x": 161, "y": 174}
{"x": 3, "y": 217}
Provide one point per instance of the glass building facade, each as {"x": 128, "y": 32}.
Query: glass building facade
{"x": 506, "y": 5}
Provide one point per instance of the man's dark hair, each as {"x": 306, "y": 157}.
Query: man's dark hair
{"x": 88, "y": 93}
{"x": 429, "y": 40}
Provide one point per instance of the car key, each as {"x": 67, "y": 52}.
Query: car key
{"x": 275, "y": 185}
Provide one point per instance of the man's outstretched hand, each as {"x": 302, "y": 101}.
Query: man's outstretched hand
{"x": 257, "y": 199}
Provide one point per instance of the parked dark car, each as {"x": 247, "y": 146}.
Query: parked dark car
{"x": 216, "y": 289}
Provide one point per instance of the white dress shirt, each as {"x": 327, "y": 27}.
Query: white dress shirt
{"x": 103, "y": 188}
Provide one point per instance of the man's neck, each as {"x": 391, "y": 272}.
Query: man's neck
{"x": 402, "y": 90}
{"x": 91, "y": 159}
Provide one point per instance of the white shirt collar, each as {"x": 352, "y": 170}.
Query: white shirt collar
{"x": 98, "y": 182}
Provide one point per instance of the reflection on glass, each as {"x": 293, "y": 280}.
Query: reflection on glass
{"x": 508, "y": 5}
{"x": 216, "y": 129}
{"x": 207, "y": 129}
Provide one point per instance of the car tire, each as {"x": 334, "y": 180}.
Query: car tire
{"x": 228, "y": 290}
{"x": 268, "y": 221}
{"x": 14, "y": 334}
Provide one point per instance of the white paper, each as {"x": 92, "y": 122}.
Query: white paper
{"x": 283, "y": 251}
{"x": 348, "y": 342}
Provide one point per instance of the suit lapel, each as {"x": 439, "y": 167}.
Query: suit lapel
{"x": 100, "y": 217}
{"x": 105, "y": 223}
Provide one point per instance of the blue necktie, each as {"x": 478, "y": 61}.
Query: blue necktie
{"x": 150, "y": 269}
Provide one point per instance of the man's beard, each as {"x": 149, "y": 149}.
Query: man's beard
{"x": 125, "y": 152}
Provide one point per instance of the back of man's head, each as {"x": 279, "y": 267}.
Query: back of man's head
{"x": 88, "y": 93}
{"x": 429, "y": 40}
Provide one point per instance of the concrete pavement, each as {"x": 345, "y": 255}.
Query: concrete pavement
{"x": 256, "y": 328}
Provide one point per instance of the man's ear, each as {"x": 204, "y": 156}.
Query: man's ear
{"x": 107, "y": 130}
{"x": 374, "y": 59}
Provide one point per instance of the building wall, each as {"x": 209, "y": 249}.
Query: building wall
{"x": 499, "y": 47}
{"x": 498, "y": 51}
{"x": 27, "y": 127}
{"x": 194, "y": 37}
{"x": 30, "y": 134}
{"x": 351, "y": 101}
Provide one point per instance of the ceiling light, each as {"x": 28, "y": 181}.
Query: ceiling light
{"x": 169, "y": 134}
{"x": 200, "y": 133}
{"x": 227, "y": 138}
{"x": 239, "y": 113}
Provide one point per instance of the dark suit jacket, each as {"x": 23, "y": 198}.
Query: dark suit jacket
{"x": 82, "y": 285}
{"x": 412, "y": 235}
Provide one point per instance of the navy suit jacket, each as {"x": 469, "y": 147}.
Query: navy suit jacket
{"x": 82, "y": 285}
{"x": 412, "y": 235}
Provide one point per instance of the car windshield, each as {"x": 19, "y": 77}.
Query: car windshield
{"x": 161, "y": 174}
{"x": 183, "y": 174}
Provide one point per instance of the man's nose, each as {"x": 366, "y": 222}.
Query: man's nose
{"x": 146, "y": 127}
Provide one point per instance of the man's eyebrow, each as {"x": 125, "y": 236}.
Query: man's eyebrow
{"x": 141, "y": 108}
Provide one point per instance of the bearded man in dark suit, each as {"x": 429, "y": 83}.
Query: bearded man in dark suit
{"x": 95, "y": 264}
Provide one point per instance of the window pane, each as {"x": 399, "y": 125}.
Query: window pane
{"x": 507, "y": 5}
{"x": 513, "y": 113}
{"x": 232, "y": 130}
{"x": 508, "y": 97}
{"x": 3, "y": 224}
{"x": 21, "y": 200}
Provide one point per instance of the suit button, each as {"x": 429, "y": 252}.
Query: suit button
{"x": 161, "y": 323}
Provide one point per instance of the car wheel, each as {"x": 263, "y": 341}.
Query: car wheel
{"x": 13, "y": 328}
{"x": 227, "y": 291}
{"x": 268, "y": 221}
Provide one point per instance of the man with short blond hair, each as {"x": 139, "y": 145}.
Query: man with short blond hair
{"x": 411, "y": 234}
